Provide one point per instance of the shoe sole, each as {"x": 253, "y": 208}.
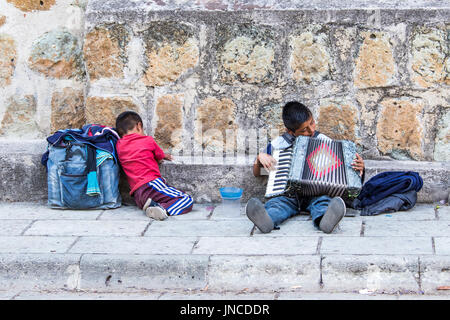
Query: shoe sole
{"x": 334, "y": 214}
{"x": 156, "y": 213}
{"x": 257, "y": 214}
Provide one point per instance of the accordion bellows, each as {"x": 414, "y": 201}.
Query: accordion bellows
{"x": 313, "y": 167}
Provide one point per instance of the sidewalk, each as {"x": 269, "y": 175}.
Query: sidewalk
{"x": 213, "y": 249}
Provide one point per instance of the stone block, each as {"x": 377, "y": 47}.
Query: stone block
{"x": 269, "y": 245}
{"x": 57, "y": 54}
{"x": 434, "y": 274}
{"x": 39, "y": 211}
{"x": 192, "y": 228}
{"x": 246, "y": 53}
{"x": 393, "y": 228}
{"x": 261, "y": 272}
{"x": 105, "y": 51}
{"x": 104, "y": 110}
{"x": 215, "y": 117}
{"x": 338, "y": 121}
{"x": 442, "y": 141}
{"x": 19, "y": 120}
{"x": 35, "y": 244}
{"x": 150, "y": 272}
{"x": 133, "y": 245}
{"x": 442, "y": 245}
{"x": 382, "y": 274}
{"x": 375, "y": 65}
{"x": 13, "y": 227}
{"x": 310, "y": 59}
{"x": 39, "y": 271}
{"x": 67, "y": 109}
{"x": 7, "y": 59}
{"x": 169, "y": 121}
{"x": 420, "y": 212}
{"x": 80, "y": 228}
{"x": 429, "y": 57}
{"x": 32, "y": 5}
{"x": 376, "y": 245}
{"x": 271, "y": 116}
{"x": 171, "y": 49}
{"x": 400, "y": 130}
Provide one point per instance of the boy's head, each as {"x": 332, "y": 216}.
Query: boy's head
{"x": 298, "y": 119}
{"x": 128, "y": 122}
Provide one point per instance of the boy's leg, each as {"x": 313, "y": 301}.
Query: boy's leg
{"x": 326, "y": 212}
{"x": 174, "y": 201}
{"x": 143, "y": 198}
{"x": 274, "y": 212}
{"x": 281, "y": 208}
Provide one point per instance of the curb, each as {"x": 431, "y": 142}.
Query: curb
{"x": 220, "y": 273}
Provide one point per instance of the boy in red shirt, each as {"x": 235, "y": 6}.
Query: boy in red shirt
{"x": 140, "y": 156}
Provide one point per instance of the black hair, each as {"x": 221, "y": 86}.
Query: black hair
{"x": 294, "y": 114}
{"x": 126, "y": 121}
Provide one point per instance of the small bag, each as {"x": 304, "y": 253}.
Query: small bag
{"x": 71, "y": 174}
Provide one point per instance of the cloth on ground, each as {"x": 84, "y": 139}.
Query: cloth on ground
{"x": 385, "y": 184}
{"x": 394, "y": 202}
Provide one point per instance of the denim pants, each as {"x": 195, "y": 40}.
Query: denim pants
{"x": 281, "y": 208}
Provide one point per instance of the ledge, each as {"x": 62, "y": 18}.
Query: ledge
{"x": 23, "y": 178}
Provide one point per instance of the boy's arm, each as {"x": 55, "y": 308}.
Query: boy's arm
{"x": 158, "y": 152}
{"x": 263, "y": 160}
{"x": 358, "y": 165}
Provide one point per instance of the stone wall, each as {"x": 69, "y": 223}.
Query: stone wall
{"x": 205, "y": 72}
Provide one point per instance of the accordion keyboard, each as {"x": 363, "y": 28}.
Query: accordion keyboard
{"x": 278, "y": 178}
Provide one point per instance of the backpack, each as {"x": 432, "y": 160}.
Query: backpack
{"x": 80, "y": 175}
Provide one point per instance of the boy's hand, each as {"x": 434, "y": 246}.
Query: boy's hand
{"x": 267, "y": 161}
{"x": 168, "y": 157}
{"x": 358, "y": 164}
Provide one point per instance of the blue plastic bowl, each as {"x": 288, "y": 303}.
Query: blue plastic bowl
{"x": 231, "y": 193}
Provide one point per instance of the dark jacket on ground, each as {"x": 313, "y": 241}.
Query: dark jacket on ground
{"x": 385, "y": 184}
{"x": 394, "y": 202}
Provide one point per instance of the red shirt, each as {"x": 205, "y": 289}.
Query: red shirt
{"x": 138, "y": 156}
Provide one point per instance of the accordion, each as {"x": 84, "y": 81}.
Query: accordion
{"x": 314, "y": 167}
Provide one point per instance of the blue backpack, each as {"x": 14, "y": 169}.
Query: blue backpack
{"x": 80, "y": 175}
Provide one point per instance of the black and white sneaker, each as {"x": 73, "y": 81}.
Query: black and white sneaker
{"x": 334, "y": 214}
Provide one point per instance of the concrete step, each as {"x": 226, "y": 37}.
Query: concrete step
{"x": 24, "y": 178}
{"x": 214, "y": 249}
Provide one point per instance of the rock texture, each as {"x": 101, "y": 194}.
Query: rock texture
{"x": 430, "y": 57}
{"x": 375, "y": 65}
{"x": 105, "y": 51}
{"x": 104, "y": 111}
{"x": 399, "y": 130}
{"x": 68, "y": 109}
{"x": 216, "y": 117}
{"x": 202, "y": 73}
{"x": 57, "y": 54}
{"x": 169, "y": 114}
{"x": 19, "y": 120}
{"x": 31, "y": 5}
{"x": 171, "y": 50}
{"x": 338, "y": 121}
{"x": 310, "y": 58}
{"x": 7, "y": 59}
{"x": 246, "y": 53}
